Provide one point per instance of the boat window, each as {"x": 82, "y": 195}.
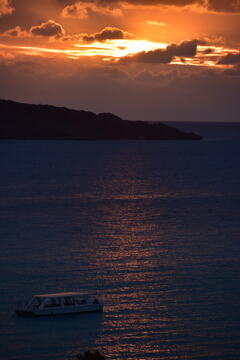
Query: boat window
{"x": 78, "y": 300}
{"x": 57, "y": 302}
{"x": 35, "y": 303}
{"x": 52, "y": 302}
{"x": 69, "y": 300}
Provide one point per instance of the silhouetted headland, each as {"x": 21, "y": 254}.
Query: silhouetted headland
{"x": 40, "y": 122}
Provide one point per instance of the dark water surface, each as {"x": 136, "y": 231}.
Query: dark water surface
{"x": 152, "y": 226}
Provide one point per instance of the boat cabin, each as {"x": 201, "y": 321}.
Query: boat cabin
{"x": 60, "y": 303}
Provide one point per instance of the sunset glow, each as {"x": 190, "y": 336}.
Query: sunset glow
{"x": 110, "y": 49}
{"x": 114, "y": 50}
{"x": 145, "y": 47}
{"x": 119, "y": 48}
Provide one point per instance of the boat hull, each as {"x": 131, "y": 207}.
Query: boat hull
{"x": 60, "y": 310}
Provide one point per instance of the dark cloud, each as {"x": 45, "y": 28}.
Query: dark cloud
{"x": 48, "y": 29}
{"x": 228, "y": 6}
{"x": 6, "y": 7}
{"x": 81, "y": 9}
{"x": 109, "y": 33}
{"x": 208, "y": 51}
{"x": 157, "y": 56}
{"x": 147, "y": 76}
{"x": 141, "y": 2}
{"x": 162, "y": 95}
{"x": 187, "y": 48}
{"x": 229, "y": 59}
{"x": 232, "y": 6}
{"x": 53, "y": 29}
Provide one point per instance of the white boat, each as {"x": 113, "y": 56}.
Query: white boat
{"x": 60, "y": 303}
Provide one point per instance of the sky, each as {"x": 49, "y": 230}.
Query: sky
{"x": 162, "y": 60}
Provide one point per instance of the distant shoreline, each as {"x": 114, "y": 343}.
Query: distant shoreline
{"x": 44, "y": 122}
{"x": 210, "y": 130}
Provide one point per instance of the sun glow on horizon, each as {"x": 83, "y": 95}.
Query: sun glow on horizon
{"x": 114, "y": 50}
{"x": 110, "y": 49}
{"x": 119, "y": 48}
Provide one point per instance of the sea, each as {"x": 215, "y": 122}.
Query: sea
{"x": 152, "y": 227}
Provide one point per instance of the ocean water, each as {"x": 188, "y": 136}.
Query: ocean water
{"x": 151, "y": 226}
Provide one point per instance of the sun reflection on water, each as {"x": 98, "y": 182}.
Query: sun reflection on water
{"x": 129, "y": 270}
{"x": 145, "y": 224}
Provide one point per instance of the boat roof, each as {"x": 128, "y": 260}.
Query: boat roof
{"x": 62, "y": 294}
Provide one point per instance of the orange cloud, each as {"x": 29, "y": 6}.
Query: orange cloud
{"x": 6, "y": 55}
{"x": 5, "y": 7}
{"x": 155, "y": 23}
{"x": 17, "y": 31}
{"x": 82, "y": 9}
